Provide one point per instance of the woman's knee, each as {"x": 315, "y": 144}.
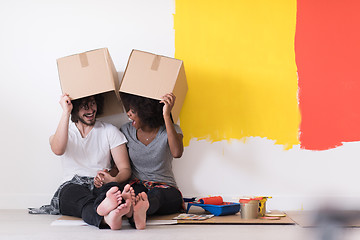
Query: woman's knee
{"x": 167, "y": 200}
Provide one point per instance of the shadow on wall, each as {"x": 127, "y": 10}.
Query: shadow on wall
{"x": 118, "y": 119}
{"x": 187, "y": 168}
{"x": 215, "y": 168}
{"x": 231, "y": 169}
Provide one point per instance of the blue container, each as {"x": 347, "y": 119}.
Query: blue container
{"x": 227, "y": 208}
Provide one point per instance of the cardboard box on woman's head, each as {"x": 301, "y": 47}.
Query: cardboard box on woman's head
{"x": 153, "y": 76}
{"x": 90, "y": 73}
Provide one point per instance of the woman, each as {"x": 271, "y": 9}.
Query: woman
{"x": 153, "y": 141}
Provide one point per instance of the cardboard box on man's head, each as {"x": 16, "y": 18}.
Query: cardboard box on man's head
{"x": 152, "y": 76}
{"x": 90, "y": 73}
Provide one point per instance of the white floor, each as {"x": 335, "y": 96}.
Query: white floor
{"x": 18, "y": 224}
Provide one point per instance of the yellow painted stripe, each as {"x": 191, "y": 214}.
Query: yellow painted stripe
{"x": 240, "y": 64}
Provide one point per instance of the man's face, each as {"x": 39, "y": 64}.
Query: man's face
{"x": 87, "y": 111}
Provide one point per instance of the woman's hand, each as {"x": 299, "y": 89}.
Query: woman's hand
{"x": 168, "y": 100}
{"x": 102, "y": 178}
{"x": 98, "y": 180}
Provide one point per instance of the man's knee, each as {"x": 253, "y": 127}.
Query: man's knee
{"x": 73, "y": 191}
{"x": 72, "y": 199}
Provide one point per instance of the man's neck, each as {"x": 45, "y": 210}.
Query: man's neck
{"x": 84, "y": 129}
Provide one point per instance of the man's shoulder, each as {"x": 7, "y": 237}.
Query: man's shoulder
{"x": 110, "y": 131}
{"x": 101, "y": 124}
{"x": 108, "y": 128}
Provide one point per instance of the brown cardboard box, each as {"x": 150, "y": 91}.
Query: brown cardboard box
{"x": 91, "y": 73}
{"x": 153, "y": 76}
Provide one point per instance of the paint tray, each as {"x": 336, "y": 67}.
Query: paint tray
{"x": 226, "y": 208}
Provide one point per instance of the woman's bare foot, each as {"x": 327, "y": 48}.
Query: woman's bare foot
{"x": 129, "y": 193}
{"x": 140, "y": 208}
{"x": 111, "y": 202}
{"x": 114, "y": 218}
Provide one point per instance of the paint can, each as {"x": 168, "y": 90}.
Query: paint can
{"x": 262, "y": 206}
{"x": 249, "y": 208}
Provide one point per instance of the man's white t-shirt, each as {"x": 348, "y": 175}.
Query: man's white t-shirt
{"x": 86, "y": 156}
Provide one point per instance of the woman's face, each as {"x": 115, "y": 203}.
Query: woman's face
{"x": 136, "y": 122}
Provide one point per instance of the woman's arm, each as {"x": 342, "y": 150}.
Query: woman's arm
{"x": 59, "y": 140}
{"x": 174, "y": 138}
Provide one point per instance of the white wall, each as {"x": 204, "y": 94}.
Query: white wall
{"x": 35, "y": 33}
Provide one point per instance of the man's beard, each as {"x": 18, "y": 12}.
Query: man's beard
{"x": 92, "y": 123}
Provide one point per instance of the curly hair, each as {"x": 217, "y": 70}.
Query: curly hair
{"x": 150, "y": 111}
{"x": 99, "y": 99}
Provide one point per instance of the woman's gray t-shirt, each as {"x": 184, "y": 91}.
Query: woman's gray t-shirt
{"x": 154, "y": 161}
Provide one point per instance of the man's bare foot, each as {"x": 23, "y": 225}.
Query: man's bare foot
{"x": 129, "y": 193}
{"x": 114, "y": 218}
{"x": 140, "y": 208}
{"x": 111, "y": 202}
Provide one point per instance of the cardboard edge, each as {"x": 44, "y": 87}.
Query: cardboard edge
{"x": 114, "y": 72}
{"x": 180, "y": 91}
{"x": 126, "y": 68}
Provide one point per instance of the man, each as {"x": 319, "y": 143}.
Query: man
{"x": 86, "y": 147}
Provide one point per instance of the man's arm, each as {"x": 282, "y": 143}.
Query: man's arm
{"x": 58, "y": 141}
{"x": 121, "y": 158}
{"x": 122, "y": 171}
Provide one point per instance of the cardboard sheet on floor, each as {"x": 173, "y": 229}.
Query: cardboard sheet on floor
{"x": 74, "y": 221}
{"x": 168, "y": 219}
{"x": 307, "y": 218}
{"x": 229, "y": 219}
{"x": 68, "y": 221}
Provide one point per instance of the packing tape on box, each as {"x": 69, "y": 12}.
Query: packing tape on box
{"x": 83, "y": 60}
{"x": 156, "y": 63}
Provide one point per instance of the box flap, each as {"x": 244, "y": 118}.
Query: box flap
{"x": 112, "y": 104}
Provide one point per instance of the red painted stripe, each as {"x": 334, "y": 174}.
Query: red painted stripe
{"x": 327, "y": 49}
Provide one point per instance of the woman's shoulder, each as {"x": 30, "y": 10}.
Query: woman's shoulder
{"x": 125, "y": 126}
{"x": 162, "y": 129}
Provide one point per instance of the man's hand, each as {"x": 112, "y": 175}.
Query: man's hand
{"x": 59, "y": 140}
{"x": 65, "y": 103}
